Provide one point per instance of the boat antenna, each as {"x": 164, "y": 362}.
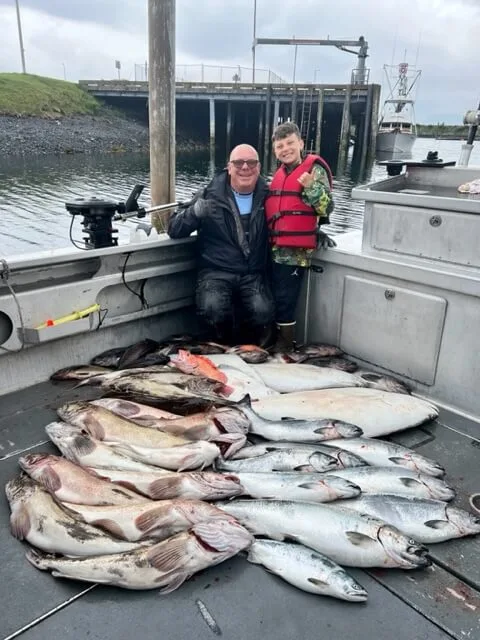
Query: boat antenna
{"x": 394, "y": 45}
{"x": 418, "y": 47}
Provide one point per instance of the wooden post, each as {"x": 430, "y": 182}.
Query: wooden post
{"x": 276, "y": 112}
{"x": 228, "y": 136}
{"x": 294, "y": 105}
{"x": 161, "y": 79}
{"x": 212, "y": 128}
{"x": 345, "y": 132}
{"x": 260, "y": 126}
{"x": 318, "y": 137}
{"x": 266, "y": 144}
{"x": 366, "y": 131}
{"x": 374, "y": 121}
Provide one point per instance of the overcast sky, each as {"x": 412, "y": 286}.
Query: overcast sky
{"x": 83, "y": 38}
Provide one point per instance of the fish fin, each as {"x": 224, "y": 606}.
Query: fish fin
{"x": 359, "y": 539}
{"x": 304, "y": 467}
{"x": 82, "y": 445}
{"x": 20, "y": 523}
{"x": 317, "y": 582}
{"x": 436, "y": 524}
{"x": 38, "y": 558}
{"x": 287, "y": 418}
{"x": 246, "y": 401}
{"x": 167, "y": 556}
{"x": 226, "y": 390}
{"x": 165, "y": 488}
{"x": 111, "y": 526}
{"x": 309, "y": 485}
{"x": 94, "y": 428}
{"x": 176, "y": 582}
{"x": 397, "y": 460}
{"x": 190, "y": 461}
{"x": 409, "y": 482}
{"x": 50, "y": 480}
{"x": 370, "y": 377}
{"x": 153, "y": 518}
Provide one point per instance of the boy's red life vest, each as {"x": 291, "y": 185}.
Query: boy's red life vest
{"x": 291, "y": 222}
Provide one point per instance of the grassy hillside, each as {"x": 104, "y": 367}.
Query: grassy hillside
{"x": 27, "y": 95}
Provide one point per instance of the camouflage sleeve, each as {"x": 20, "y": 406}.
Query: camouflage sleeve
{"x": 318, "y": 195}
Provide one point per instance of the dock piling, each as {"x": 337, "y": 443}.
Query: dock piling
{"x": 318, "y": 137}
{"x": 345, "y": 132}
{"x": 161, "y": 78}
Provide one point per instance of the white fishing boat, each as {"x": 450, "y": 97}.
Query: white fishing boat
{"x": 397, "y": 130}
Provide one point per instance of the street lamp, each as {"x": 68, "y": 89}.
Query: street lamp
{"x": 20, "y": 37}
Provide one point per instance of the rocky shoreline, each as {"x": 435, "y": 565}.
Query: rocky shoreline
{"x": 102, "y": 133}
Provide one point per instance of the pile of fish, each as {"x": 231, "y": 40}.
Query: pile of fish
{"x": 196, "y": 452}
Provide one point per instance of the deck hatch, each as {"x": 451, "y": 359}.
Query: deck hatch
{"x": 395, "y": 328}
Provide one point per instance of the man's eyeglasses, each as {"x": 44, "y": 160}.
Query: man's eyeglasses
{"x": 238, "y": 164}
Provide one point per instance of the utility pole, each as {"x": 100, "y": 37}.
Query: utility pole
{"x": 161, "y": 104}
{"x": 254, "y": 39}
{"x": 20, "y": 37}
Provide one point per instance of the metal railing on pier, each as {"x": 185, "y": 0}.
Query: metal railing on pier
{"x": 213, "y": 73}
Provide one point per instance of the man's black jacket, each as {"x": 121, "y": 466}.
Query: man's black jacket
{"x": 221, "y": 241}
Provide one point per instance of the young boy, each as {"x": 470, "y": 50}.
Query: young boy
{"x": 298, "y": 202}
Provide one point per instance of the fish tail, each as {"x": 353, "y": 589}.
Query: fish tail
{"x": 39, "y": 559}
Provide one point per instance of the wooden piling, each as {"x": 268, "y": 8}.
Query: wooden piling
{"x": 266, "y": 144}
{"x": 376, "y": 88}
{"x": 228, "y": 136}
{"x": 212, "y": 127}
{"x": 161, "y": 79}
{"x": 318, "y": 137}
{"x": 365, "y": 128}
{"x": 294, "y": 105}
{"x": 260, "y": 127}
{"x": 345, "y": 132}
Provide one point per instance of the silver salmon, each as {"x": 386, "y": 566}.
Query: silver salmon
{"x": 306, "y": 569}
{"x": 427, "y": 521}
{"x": 344, "y": 458}
{"x": 299, "y": 459}
{"x": 346, "y": 537}
{"x": 380, "y": 453}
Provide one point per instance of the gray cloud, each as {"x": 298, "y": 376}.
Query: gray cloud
{"x": 219, "y": 32}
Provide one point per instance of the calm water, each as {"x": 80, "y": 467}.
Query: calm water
{"x": 33, "y": 192}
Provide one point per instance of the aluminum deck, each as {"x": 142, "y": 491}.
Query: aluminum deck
{"x": 236, "y": 599}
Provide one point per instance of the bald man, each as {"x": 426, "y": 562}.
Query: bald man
{"x": 232, "y": 295}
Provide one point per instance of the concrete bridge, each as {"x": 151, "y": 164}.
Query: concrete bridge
{"x": 329, "y": 116}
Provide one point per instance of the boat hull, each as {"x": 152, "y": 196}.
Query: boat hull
{"x": 395, "y": 142}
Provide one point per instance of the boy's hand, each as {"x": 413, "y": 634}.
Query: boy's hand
{"x": 306, "y": 179}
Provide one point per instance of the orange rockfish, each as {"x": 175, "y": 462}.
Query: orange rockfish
{"x": 197, "y": 366}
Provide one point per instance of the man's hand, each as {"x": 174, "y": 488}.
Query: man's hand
{"x": 325, "y": 241}
{"x": 306, "y": 179}
{"x": 203, "y": 208}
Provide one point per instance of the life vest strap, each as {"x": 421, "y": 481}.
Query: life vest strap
{"x": 279, "y": 192}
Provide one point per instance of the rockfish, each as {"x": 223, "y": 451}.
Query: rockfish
{"x": 37, "y": 518}
{"x": 154, "y": 520}
{"x": 197, "y": 365}
{"x": 159, "y": 484}
{"x": 77, "y": 445}
{"x": 165, "y": 565}
{"x": 70, "y": 483}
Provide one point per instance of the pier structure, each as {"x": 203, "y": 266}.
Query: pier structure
{"x": 331, "y": 117}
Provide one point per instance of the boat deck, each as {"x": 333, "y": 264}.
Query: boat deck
{"x": 236, "y": 599}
